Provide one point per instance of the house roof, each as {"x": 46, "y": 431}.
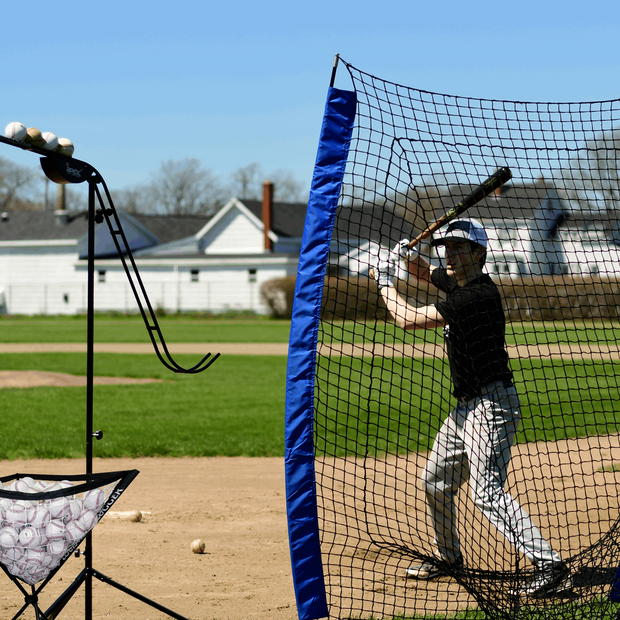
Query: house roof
{"x": 369, "y": 223}
{"x": 169, "y": 228}
{"x": 41, "y": 226}
{"x": 512, "y": 202}
{"x": 45, "y": 226}
{"x": 287, "y": 218}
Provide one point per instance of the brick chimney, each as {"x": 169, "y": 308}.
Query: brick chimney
{"x": 267, "y": 213}
{"x": 62, "y": 217}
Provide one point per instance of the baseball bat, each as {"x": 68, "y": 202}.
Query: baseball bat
{"x": 488, "y": 186}
{"x": 496, "y": 180}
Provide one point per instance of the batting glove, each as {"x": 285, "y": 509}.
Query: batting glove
{"x": 385, "y": 271}
{"x": 402, "y": 250}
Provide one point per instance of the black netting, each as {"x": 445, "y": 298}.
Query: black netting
{"x": 383, "y": 393}
{"x": 44, "y": 518}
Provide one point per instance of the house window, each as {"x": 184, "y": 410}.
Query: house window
{"x": 101, "y": 276}
{"x": 193, "y": 275}
{"x": 251, "y": 275}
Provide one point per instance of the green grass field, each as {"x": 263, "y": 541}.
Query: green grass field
{"x": 236, "y": 407}
{"x": 182, "y": 329}
{"x": 360, "y": 409}
{"x": 516, "y": 333}
{"x": 131, "y": 329}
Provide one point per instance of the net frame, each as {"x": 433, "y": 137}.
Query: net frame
{"x": 322, "y": 490}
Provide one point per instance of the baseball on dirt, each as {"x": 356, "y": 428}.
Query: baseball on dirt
{"x": 198, "y": 546}
{"x": 135, "y": 516}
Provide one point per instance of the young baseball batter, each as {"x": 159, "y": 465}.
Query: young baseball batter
{"x": 475, "y": 440}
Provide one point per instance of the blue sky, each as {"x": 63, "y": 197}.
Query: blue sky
{"x": 231, "y": 83}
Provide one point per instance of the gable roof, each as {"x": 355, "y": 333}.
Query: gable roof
{"x": 359, "y": 224}
{"x": 168, "y": 228}
{"x": 287, "y": 218}
{"x": 42, "y": 226}
{"x": 512, "y": 202}
{"x": 137, "y": 236}
{"x": 48, "y": 226}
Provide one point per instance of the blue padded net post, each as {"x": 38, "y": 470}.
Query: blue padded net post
{"x": 299, "y": 452}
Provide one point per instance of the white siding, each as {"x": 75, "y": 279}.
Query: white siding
{"x": 218, "y": 288}
{"x": 234, "y": 234}
{"x": 39, "y": 279}
{"x": 48, "y": 277}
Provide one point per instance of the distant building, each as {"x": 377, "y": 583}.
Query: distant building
{"x": 532, "y": 230}
{"x": 218, "y": 263}
{"x": 192, "y": 263}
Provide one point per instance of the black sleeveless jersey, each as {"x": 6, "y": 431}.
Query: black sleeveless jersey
{"x": 474, "y": 332}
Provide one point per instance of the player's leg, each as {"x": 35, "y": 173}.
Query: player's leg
{"x": 489, "y": 436}
{"x": 445, "y": 472}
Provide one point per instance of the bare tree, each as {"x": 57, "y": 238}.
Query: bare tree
{"x": 15, "y": 180}
{"x": 592, "y": 177}
{"x": 247, "y": 182}
{"x": 286, "y": 188}
{"x": 134, "y": 200}
{"x": 184, "y": 187}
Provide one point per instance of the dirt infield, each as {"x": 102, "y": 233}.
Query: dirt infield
{"x": 37, "y": 378}
{"x": 236, "y": 505}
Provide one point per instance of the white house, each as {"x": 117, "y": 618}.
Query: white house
{"x": 532, "y": 231}
{"x": 219, "y": 263}
{"x": 196, "y": 263}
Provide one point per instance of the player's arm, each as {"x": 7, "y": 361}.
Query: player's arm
{"x": 406, "y": 316}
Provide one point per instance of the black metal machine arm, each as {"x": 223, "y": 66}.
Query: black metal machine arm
{"x": 62, "y": 170}
{"x": 112, "y": 220}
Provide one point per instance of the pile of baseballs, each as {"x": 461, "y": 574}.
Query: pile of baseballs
{"x": 46, "y": 140}
{"x": 36, "y": 535}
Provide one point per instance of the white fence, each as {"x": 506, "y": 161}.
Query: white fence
{"x": 118, "y": 296}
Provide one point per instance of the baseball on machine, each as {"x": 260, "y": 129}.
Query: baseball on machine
{"x": 34, "y": 137}
{"x": 65, "y": 147}
{"x": 198, "y": 546}
{"x": 50, "y": 141}
{"x": 16, "y": 131}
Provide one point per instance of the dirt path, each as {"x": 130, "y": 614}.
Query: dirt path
{"x": 234, "y": 348}
{"x": 588, "y": 351}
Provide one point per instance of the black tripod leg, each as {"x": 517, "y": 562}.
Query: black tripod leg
{"x": 101, "y": 577}
{"x": 20, "y": 612}
{"x": 57, "y": 606}
{"x": 31, "y": 599}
